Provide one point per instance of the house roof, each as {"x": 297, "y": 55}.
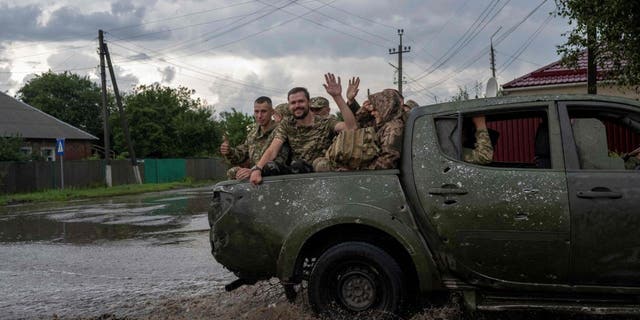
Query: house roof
{"x": 19, "y": 118}
{"x": 555, "y": 74}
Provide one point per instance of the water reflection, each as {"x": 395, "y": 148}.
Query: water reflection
{"x": 113, "y": 219}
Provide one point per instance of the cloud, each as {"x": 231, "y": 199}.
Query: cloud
{"x": 231, "y": 95}
{"x": 168, "y": 74}
{"x": 74, "y": 61}
{"x": 126, "y": 79}
{"x": 6, "y": 82}
{"x": 139, "y": 57}
{"x": 68, "y": 22}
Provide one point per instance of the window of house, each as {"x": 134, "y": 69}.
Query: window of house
{"x": 519, "y": 139}
{"x": 606, "y": 138}
{"x": 26, "y": 150}
{"x": 48, "y": 153}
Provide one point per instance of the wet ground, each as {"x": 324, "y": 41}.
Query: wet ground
{"x": 120, "y": 256}
{"x": 141, "y": 257}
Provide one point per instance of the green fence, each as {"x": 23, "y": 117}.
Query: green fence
{"x": 164, "y": 170}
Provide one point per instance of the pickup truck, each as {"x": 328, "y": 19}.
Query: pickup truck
{"x": 551, "y": 223}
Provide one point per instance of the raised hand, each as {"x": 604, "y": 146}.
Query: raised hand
{"x": 333, "y": 88}
{"x": 479, "y": 122}
{"x": 224, "y": 147}
{"x": 352, "y": 89}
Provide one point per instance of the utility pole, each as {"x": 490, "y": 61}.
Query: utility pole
{"x": 493, "y": 54}
{"x": 399, "y": 52}
{"x": 123, "y": 117}
{"x": 592, "y": 70}
{"x": 105, "y": 111}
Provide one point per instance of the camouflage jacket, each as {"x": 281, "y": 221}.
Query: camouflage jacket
{"x": 390, "y": 143}
{"x": 307, "y": 142}
{"x": 483, "y": 151}
{"x": 254, "y": 146}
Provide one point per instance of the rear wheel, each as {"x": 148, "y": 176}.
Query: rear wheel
{"x": 356, "y": 278}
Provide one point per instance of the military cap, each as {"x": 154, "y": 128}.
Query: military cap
{"x": 282, "y": 109}
{"x": 319, "y": 103}
{"x": 411, "y": 104}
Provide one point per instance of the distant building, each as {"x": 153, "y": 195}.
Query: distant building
{"x": 556, "y": 78}
{"x": 40, "y": 130}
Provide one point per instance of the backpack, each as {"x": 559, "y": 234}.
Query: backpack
{"x": 354, "y": 149}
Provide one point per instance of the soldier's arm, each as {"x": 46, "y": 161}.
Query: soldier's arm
{"x": 238, "y": 155}
{"x": 268, "y": 155}
{"x": 483, "y": 151}
{"x": 334, "y": 88}
{"x": 390, "y": 146}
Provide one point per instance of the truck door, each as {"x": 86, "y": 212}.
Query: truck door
{"x": 604, "y": 192}
{"x": 502, "y": 222}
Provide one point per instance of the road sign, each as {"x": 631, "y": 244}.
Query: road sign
{"x": 60, "y": 146}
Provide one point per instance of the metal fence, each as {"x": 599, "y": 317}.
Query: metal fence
{"x": 19, "y": 177}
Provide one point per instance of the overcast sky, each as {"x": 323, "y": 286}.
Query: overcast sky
{"x": 231, "y": 52}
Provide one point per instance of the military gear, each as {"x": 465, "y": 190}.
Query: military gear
{"x": 254, "y": 146}
{"x": 352, "y": 149}
{"x": 283, "y": 110}
{"x": 307, "y": 142}
{"x": 482, "y": 153}
{"x": 318, "y": 103}
{"x": 411, "y": 104}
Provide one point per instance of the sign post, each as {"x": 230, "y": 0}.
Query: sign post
{"x": 60, "y": 153}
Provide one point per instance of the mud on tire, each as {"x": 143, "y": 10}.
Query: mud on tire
{"x": 356, "y": 278}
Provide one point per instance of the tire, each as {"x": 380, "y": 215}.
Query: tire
{"x": 356, "y": 278}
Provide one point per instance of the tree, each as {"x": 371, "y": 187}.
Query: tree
{"x": 236, "y": 125}
{"x": 10, "y": 149}
{"x": 68, "y": 97}
{"x": 166, "y": 122}
{"x": 617, "y": 35}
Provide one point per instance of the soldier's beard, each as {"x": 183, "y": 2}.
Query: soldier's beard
{"x": 304, "y": 114}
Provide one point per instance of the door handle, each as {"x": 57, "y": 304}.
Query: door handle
{"x": 443, "y": 191}
{"x": 599, "y": 193}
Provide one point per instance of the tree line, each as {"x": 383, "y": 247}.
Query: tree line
{"x": 164, "y": 122}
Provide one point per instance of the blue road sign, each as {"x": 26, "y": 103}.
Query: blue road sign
{"x": 60, "y": 146}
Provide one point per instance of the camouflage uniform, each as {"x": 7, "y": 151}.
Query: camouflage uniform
{"x": 388, "y": 104}
{"x": 320, "y": 103}
{"x": 252, "y": 149}
{"x": 409, "y": 104}
{"x": 283, "y": 110}
{"x": 482, "y": 153}
{"x": 389, "y": 134}
{"x": 307, "y": 142}
{"x": 631, "y": 163}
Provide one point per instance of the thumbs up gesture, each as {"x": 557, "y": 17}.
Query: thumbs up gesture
{"x": 224, "y": 147}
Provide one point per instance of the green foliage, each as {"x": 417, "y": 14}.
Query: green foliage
{"x": 617, "y": 41}
{"x": 166, "y": 122}
{"x": 68, "y": 97}
{"x": 10, "y": 149}
{"x": 235, "y": 125}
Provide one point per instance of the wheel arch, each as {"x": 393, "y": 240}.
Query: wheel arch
{"x": 397, "y": 239}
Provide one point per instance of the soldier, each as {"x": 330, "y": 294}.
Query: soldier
{"x": 632, "y": 160}
{"x": 482, "y": 153}
{"x": 320, "y": 106}
{"x": 385, "y": 109}
{"x": 258, "y": 139}
{"x": 281, "y": 111}
{"x": 308, "y": 136}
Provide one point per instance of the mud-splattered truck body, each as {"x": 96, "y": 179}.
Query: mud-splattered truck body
{"x": 540, "y": 227}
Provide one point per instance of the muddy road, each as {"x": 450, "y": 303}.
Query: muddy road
{"x": 139, "y": 257}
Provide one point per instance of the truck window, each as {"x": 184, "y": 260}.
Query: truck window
{"x": 606, "y": 138}
{"x": 519, "y": 139}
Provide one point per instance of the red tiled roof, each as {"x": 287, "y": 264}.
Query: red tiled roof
{"x": 554, "y": 74}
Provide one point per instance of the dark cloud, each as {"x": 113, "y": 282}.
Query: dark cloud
{"x": 139, "y": 57}
{"x": 168, "y": 74}
{"x": 68, "y": 23}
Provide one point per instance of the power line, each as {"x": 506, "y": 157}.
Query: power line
{"x": 471, "y": 33}
{"x": 519, "y": 58}
{"x": 526, "y": 44}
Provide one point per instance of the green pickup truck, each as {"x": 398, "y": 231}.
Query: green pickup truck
{"x": 551, "y": 223}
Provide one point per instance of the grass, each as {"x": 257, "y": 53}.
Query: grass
{"x": 96, "y": 192}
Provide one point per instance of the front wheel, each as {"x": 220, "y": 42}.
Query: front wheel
{"x": 356, "y": 278}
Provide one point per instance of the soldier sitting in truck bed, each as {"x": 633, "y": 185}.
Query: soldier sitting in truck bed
{"x": 308, "y": 136}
